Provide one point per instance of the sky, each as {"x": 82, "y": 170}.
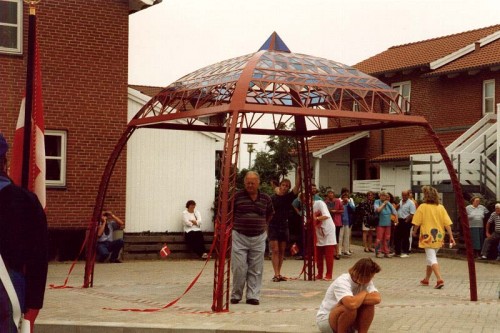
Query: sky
{"x": 177, "y": 37}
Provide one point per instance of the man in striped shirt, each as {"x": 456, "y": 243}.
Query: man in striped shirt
{"x": 492, "y": 237}
{"x": 252, "y": 212}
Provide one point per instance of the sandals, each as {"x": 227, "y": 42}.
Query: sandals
{"x": 279, "y": 278}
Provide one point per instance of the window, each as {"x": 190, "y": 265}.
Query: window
{"x": 55, "y": 158}
{"x": 404, "y": 89}
{"x": 11, "y": 29}
{"x": 488, "y": 96}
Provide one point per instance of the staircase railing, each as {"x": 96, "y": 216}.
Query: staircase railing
{"x": 474, "y": 131}
{"x": 470, "y": 154}
{"x": 484, "y": 142}
{"x": 472, "y": 169}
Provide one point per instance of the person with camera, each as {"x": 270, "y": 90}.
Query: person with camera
{"x": 107, "y": 247}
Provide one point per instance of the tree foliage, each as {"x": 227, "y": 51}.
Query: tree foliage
{"x": 278, "y": 161}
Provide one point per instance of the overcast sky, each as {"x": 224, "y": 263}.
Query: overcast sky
{"x": 177, "y": 37}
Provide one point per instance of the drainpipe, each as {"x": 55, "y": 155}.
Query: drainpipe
{"x": 316, "y": 171}
{"x": 498, "y": 152}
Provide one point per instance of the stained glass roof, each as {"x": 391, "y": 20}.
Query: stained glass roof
{"x": 271, "y": 80}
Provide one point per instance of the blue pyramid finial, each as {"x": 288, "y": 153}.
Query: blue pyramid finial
{"x": 275, "y": 43}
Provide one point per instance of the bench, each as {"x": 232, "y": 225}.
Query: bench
{"x": 148, "y": 245}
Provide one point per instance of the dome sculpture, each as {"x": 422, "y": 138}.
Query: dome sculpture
{"x": 270, "y": 92}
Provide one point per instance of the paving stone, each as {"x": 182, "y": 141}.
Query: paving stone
{"x": 289, "y": 306}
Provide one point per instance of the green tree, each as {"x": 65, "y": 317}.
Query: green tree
{"x": 265, "y": 167}
{"x": 280, "y": 153}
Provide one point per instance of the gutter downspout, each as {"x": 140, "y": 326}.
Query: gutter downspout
{"x": 316, "y": 170}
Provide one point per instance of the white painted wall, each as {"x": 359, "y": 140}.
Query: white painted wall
{"x": 335, "y": 169}
{"x": 395, "y": 177}
{"x": 166, "y": 168}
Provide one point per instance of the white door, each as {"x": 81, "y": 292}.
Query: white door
{"x": 402, "y": 179}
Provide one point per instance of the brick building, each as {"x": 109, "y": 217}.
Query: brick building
{"x": 449, "y": 80}
{"x": 84, "y": 59}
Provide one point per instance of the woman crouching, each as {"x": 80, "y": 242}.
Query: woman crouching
{"x": 350, "y": 300}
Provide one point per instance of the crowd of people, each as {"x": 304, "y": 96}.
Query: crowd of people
{"x": 388, "y": 226}
{"x": 258, "y": 218}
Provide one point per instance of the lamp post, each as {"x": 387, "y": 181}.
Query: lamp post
{"x": 250, "y": 150}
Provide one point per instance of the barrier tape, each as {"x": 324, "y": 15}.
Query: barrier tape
{"x": 178, "y": 298}
{"x": 65, "y": 284}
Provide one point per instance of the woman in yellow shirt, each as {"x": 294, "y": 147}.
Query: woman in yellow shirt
{"x": 432, "y": 220}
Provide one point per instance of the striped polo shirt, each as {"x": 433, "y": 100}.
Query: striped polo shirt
{"x": 250, "y": 217}
{"x": 495, "y": 218}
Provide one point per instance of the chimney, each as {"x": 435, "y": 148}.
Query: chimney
{"x": 477, "y": 46}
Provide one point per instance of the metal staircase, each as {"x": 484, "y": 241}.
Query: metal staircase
{"x": 474, "y": 159}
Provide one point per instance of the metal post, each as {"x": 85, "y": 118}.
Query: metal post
{"x": 498, "y": 153}
{"x": 250, "y": 150}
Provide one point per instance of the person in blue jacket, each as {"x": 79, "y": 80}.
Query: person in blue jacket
{"x": 23, "y": 246}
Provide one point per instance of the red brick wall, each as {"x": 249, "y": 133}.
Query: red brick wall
{"x": 84, "y": 56}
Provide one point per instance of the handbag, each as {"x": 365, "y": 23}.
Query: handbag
{"x": 373, "y": 220}
{"x": 23, "y": 325}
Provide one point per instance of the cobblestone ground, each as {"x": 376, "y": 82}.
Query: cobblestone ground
{"x": 285, "y": 306}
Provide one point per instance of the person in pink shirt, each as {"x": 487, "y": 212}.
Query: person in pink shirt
{"x": 336, "y": 210}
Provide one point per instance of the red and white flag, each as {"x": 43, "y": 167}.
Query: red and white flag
{"x": 36, "y": 178}
{"x": 165, "y": 251}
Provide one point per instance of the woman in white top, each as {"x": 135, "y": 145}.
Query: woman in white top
{"x": 476, "y": 213}
{"x": 325, "y": 239}
{"x": 350, "y": 300}
{"x": 191, "y": 219}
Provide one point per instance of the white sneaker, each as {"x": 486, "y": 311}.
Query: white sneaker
{"x": 404, "y": 255}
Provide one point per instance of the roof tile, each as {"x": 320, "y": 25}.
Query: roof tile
{"x": 320, "y": 142}
{"x": 421, "y": 53}
{"x": 425, "y": 146}
{"x": 486, "y": 56}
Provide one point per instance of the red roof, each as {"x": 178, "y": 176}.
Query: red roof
{"x": 421, "y": 54}
{"x": 321, "y": 142}
{"x": 486, "y": 56}
{"x": 421, "y": 145}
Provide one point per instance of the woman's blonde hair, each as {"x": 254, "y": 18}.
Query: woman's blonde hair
{"x": 431, "y": 195}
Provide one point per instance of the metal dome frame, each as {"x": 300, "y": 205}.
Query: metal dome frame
{"x": 259, "y": 93}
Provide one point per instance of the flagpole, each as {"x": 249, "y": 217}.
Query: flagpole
{"x": 29, "y": 94}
